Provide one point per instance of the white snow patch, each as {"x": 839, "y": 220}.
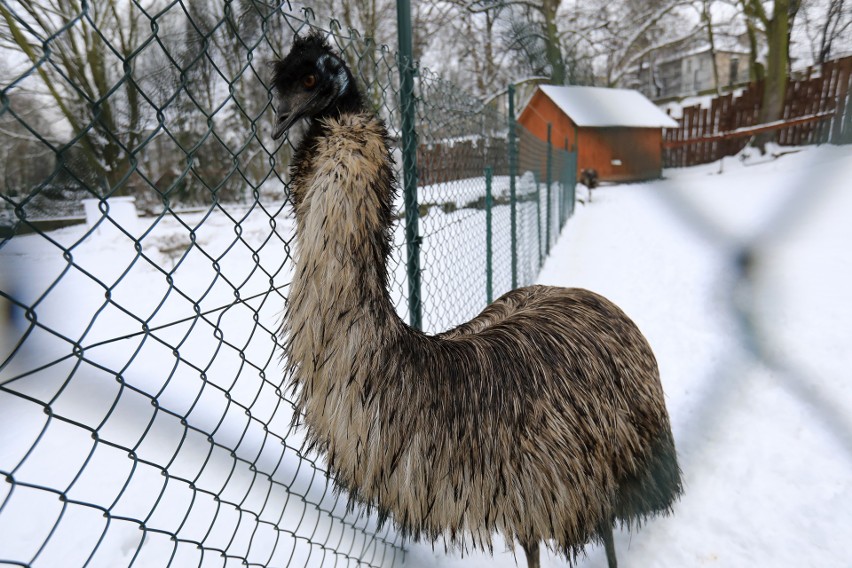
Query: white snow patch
{"x": 766, "y": 454}
{"x": 600, "y": 106}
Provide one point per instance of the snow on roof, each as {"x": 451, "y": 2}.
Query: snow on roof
{"x": 599, "y": 106}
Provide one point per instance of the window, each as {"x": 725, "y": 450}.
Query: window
{"x": 733, "y": 73}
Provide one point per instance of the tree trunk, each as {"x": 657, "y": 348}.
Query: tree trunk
{"x": 775, "y": 84}
{"x": 553, "y": 49}
{"x": 756, "y": 70}
{"x": 707, "y": 20}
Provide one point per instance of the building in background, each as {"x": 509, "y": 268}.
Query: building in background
{"x": 617, "y": 132}
{"x": 663, "y": 77}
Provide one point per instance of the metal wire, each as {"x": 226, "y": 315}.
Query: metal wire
{"x": 145, "y": 260}
{"x": 458, "y": 139}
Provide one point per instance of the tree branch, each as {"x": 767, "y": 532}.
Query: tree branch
{"x": 624, "y": 65}
{"x": 621, "y": 56}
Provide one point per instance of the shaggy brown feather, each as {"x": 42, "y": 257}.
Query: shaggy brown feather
{"x": 542, "y": 418}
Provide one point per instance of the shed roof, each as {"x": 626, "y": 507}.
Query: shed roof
{"x": 599, "y": 106}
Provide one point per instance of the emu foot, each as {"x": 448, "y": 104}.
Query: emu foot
{"x": 609, "y": 546}
{"x": 531, "y": 550}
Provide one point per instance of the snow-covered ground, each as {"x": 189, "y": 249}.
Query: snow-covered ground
{"x": 140, "y": 384}
{"x": 766, "y": 449}
{"x": 146, "y": 402}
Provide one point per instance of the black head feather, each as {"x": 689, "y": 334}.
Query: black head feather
{"x": 312, "y": 82}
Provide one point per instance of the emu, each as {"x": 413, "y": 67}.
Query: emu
{"x": 589, "y": 177}
{"x": 542, "y": 418}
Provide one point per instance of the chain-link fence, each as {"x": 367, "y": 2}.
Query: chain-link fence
{"x": 458, "y": 140}
{"x": 145, "y": 261}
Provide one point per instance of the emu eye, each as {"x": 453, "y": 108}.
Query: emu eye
{"x": 310, "y": 81}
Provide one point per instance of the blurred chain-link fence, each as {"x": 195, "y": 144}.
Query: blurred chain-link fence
{"x": 145, "y": 261}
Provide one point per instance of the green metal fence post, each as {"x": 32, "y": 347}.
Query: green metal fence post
{"x": 575, "y": 165}
{"x": 513, "y": 167}
{"x": 563, "y": 182}
{"x": 538, "y": 217}
{"x": 489, "y": 288}
{"x": 568, "y": 191}
{"x": 549, "y": 180}
{"x": 409, "y": 159}
{"x": 571, "y": 181}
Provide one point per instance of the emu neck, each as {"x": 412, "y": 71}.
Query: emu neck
{"x": 339, "y": 310}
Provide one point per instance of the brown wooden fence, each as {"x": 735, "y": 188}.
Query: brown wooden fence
{"x": 461, "y": 159}
{"x": 817, "y": 109}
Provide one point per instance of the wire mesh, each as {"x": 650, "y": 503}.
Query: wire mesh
{"x": 458, "y": 138}
{"x": 141, "y": 390}
{"x": 145, "y": 260}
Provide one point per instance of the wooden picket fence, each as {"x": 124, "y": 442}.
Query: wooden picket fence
{"x": 817, "y": 109}
{"x": 450, "y": 160}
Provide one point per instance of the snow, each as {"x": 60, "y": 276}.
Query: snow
{"x": 765, "y": 447}
{"x": 600, "y": 107}
{"x": 169, "y": 417}
{"x": 764, "y": 442}
{"x": 144, "y": 390}
{"x": 455, "y": 228}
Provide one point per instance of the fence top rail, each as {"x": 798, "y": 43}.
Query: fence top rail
{"x": 749, "y": 130}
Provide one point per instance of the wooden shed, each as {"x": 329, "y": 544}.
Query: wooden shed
{"x": 618, "y": 132}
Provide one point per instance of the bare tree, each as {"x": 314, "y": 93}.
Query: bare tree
{"x": 837, "y": 25}
{"x": 711, "y": 39}
{"x": 826, "y": 23}
{"x": 530, "y": 31}
{"x": 776, "y": 27}
{"x": 466, "y": 44}
{"x": 24, "y": 159}
{"x": 636, "y": 30}
{"x": 95, "y": 76}
{"x": 374, "y": 19}
{"x": 569, "y": 42}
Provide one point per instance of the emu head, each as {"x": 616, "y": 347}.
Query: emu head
{"x": 312, "y": 82}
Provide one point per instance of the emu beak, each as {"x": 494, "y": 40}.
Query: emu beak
{"x": 286, "y": 115}
{"x": 284, "y": 120}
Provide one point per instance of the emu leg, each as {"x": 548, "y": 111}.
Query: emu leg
{"x": 609, "y": 546}
{"x": 531, "y": 550}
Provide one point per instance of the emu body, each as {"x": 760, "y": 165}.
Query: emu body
{"x": 542, "y": 418}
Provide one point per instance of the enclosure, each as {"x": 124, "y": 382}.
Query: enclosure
{"x": 146, "y": 258}
{"x": 146, "y": 242}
